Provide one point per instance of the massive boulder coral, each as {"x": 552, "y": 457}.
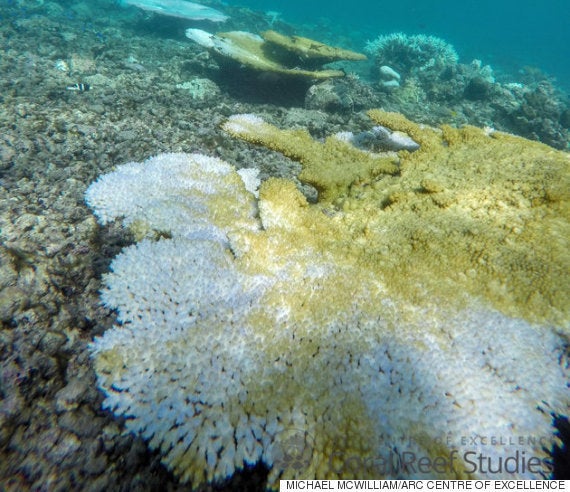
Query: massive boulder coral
{"x": 317, "y": 338}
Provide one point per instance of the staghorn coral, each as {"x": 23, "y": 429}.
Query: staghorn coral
{"x": 412, "y": 54}
{"x": 274, "y": 334}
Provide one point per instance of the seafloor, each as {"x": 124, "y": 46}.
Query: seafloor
{"x": 54, "y": 142}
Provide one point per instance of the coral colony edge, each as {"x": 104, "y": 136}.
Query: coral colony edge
{"x": 422, "y": 298}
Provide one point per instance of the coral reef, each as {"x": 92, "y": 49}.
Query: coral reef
{"x": 420, "y": 76}
{"x": 275, "y": 53}
{"x": 389, "y": 319}
{"x": 325, "y": 164}
{"x": 54, "y": 434}
{"x": 178, "y": 8}
{"x": 412, "y": 55}
{"x": 473, "y": 191}
{"x": 541, "y": 112}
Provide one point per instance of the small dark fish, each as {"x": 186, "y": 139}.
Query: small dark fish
{"x": 78, "y": 87}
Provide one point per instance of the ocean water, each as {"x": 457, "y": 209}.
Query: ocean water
{"x": 507, "y": 34}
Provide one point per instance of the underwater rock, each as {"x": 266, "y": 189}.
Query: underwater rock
{"x": 478, "y": 89}
{"x": 200, "y": 89}
{"x": 327, "y": 96}
{"x": 345, "y": 95}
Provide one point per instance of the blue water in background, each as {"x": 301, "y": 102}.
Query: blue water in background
{"x": 508, "y": 34}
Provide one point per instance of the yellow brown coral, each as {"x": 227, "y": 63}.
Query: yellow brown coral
{"x": 293, "y": 57}
{"x": 331, "y": 166}
{"x": 471, "y": 212}
{"x": 334, "y": 340}
{"x": 300, "y": 50}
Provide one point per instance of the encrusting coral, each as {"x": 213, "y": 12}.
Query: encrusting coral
{"x": 350, "y": 337}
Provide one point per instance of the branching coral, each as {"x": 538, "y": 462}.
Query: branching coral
{"x": 332, "y": 166}
{"x": 269, "y": 327}
{"x": 412, "y": 54}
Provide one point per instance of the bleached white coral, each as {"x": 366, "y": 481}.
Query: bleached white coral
{"x": 179, "y": 8}
{"x": 170, "y": 193}
{"x": 176, "y": 387}
{"x": 250, "y": 177}
{"x": 223, "y": 45}
{"x": 389, "y": 78}
{"x": 269, "y": 344}
{"x": 201, "y": 37}
{"x": 240, "y": 122}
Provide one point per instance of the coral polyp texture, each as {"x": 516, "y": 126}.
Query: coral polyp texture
{"x": 484, "y": 213}
{"x": 413, "y": 314}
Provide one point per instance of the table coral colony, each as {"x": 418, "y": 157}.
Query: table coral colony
{"x": 178, "y": 8}
{"x": 422, "y": 301}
